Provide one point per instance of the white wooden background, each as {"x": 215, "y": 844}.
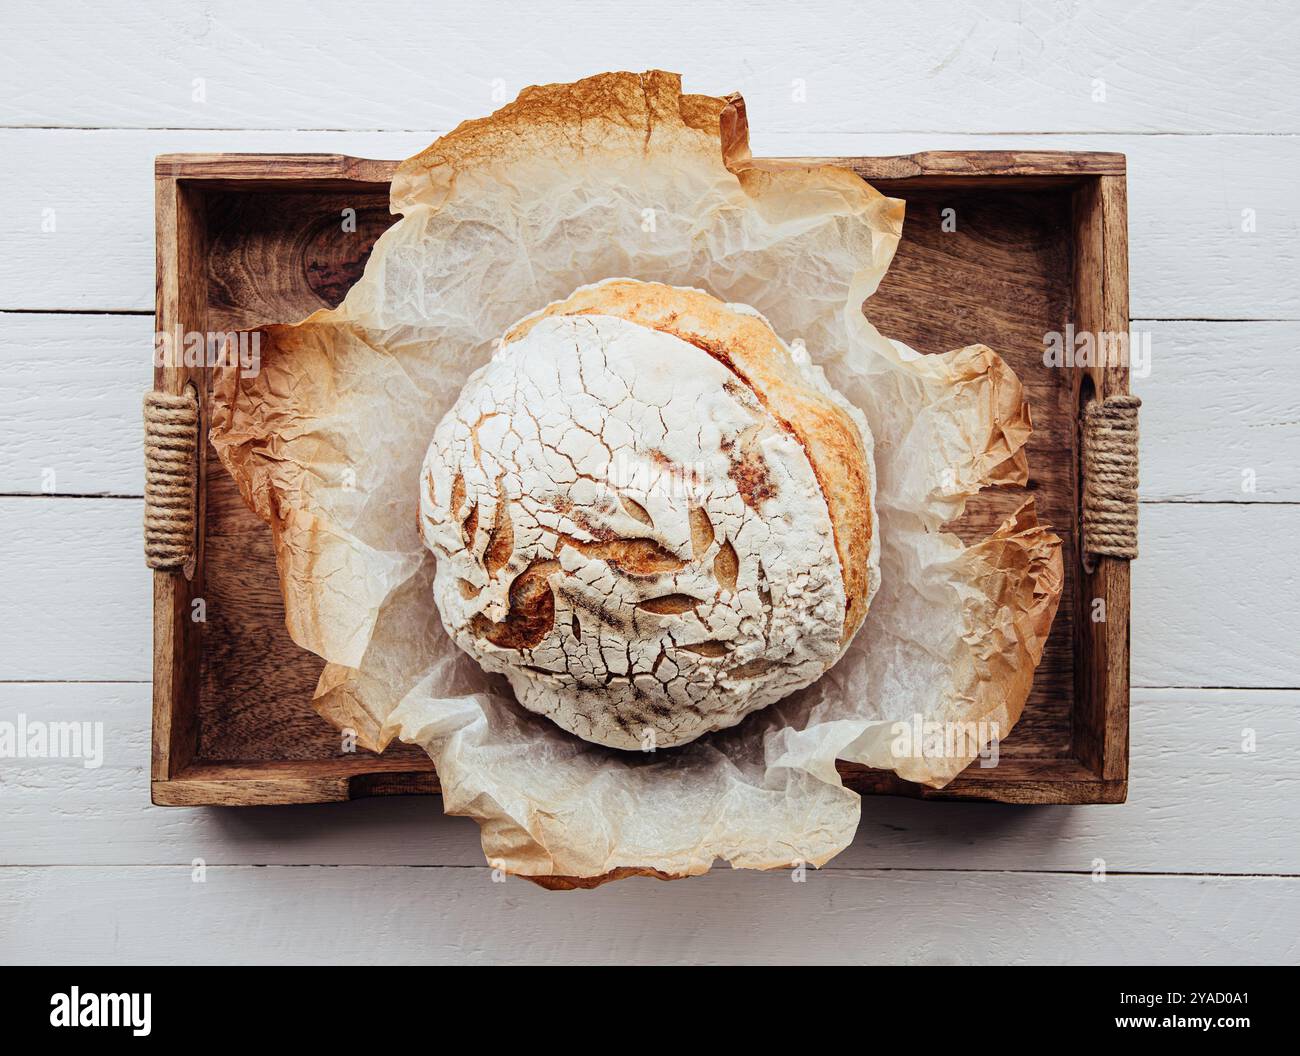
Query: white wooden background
{"x": 1202, "y": 863}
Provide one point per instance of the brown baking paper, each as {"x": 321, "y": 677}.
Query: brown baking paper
{"x": 623, "y": 175}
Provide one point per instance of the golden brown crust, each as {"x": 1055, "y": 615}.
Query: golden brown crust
{"x": 586, "y": 883}
{"x": 588, "y": 115}
{"x": 747, "y": 346}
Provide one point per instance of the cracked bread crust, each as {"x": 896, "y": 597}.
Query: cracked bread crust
{"x": 640, "y": 516}
{"x": 743, "y": 341}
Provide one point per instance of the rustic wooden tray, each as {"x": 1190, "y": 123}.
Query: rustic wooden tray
{"x": 245, "y": 239}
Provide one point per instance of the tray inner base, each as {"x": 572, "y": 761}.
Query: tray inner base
{"x": 1003, "y": 278}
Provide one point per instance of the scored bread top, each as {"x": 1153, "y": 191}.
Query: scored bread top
{"x": 746, "y": 345}
{"x": 628, "y": 535}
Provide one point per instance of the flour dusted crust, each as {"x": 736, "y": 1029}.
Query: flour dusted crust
{"x": 649, "y": 515}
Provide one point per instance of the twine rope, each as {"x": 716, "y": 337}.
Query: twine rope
{"x": 1110, "y": 458}
{"x": 171, "y": 440}
{"x": 1110, "y": 476}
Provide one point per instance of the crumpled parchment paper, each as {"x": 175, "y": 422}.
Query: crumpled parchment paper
{"x": 623, "y": 175}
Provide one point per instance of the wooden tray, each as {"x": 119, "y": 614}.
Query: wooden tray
{"x": 245, "y": 239}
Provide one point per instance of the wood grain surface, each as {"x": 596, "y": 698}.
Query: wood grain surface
{"x": 1204, "y": 101}
{"x": 275, "y": 251}
{"x": 1187, "y": 194}
{"x": 931, "y": 67}
{"x": 405, "y": 915}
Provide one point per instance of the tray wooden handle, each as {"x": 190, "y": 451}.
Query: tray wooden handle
{"x": 171, "y": 426}
{"x": 1110, "y": 477}
{"x": 171, "y": 445}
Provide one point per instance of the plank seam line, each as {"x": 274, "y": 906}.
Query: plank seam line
{"x": 76, "y": 682}
{"x": 77, "y": 311}
{"x": 69, "y": 495}
{"x": 148, "y": 682}
{"x": 722, "y": 870}
{"x": 1132, "y": 319}
{"x": 1199, "y": 133}
{"x": 1219, "y": 502}
{"x": 1142, "y": 502}
{"x": 1236, "y": 689}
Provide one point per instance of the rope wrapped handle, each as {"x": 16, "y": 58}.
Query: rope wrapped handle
{"x": 1110, "y": 477}
{"x": 171, "y": 444}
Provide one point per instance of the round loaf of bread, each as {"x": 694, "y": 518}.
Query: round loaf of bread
{"x": 650, "y": 514}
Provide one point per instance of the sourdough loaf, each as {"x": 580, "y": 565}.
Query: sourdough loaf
{"x": 650, "y": 514}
